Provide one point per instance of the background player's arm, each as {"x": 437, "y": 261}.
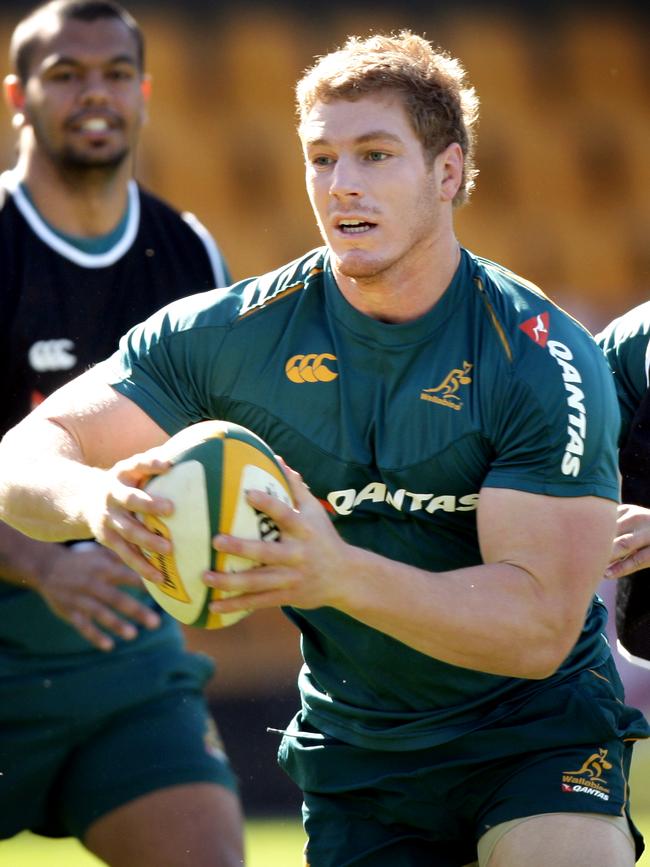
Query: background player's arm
{"x": 631, "y": 549}
{"x": 84, "y": 584}
{"x": 59, "y": 479}
{"x": 518, "y": 614}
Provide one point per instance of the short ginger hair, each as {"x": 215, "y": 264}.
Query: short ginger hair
{"x": 441, "y": 105}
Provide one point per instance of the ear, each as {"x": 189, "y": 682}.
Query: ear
{"x": 15, "y": 99}
{"x": 450, "y": 167}
{"x": 145, "y": 92}
{"x": 145, "y": 87}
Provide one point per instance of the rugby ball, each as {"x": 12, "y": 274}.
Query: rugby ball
{"x": 213, "y": 465}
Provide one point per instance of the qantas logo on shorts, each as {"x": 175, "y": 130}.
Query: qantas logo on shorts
{"x": 446, "y": 393}
{"x": 345, "y": 502}
{"x": 312, "y": 367}
{"x": 589, "y": 779}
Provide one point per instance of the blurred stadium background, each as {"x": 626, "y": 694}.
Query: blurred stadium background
{"x": 563, "y": 198}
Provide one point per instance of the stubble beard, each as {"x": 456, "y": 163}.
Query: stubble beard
{"x": 72, "y": 161}
{"x": 362, "y": 269}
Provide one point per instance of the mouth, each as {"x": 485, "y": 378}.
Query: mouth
{"x": 354, "y": 227}
{"x": 93, "y": 124}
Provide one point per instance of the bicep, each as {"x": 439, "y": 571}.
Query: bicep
{"x": 87, "y": 419}
{"x": 563, "y": 542}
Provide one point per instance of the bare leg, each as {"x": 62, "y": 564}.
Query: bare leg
{"x": 197, "y": 825}
{"x": 563, "y": 840}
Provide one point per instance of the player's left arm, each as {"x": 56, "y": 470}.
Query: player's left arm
{"x": 517, "y": 614}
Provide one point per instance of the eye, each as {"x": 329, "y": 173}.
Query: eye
{"x": 321, "y": 161}
{"x": 61, "y": 76}
{"x": 120, "y": 74}
{"x": 376, "y": 156}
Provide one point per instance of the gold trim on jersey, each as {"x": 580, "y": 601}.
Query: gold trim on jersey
{"x": 498, "y": 327}
{"x": 279, "y": 295}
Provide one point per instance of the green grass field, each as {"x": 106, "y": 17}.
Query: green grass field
{"x": 269, "y": 843}
{"x": 274, "y": 842}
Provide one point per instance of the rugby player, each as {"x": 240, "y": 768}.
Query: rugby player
{"x": 450, "y": 436}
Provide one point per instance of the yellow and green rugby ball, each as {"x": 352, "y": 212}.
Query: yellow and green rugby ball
{"x": 213, "y": 465}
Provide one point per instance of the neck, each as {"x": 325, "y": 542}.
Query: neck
{"x": 408, "y": 288}
{"x": 87, "y": 202}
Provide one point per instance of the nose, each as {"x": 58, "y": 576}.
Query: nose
{"x": 95, "y": 88}
{"x": 345, "y": 179}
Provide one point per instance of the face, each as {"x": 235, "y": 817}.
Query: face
{"x": 85, "y": 95}
{"x": 377, "y": 199}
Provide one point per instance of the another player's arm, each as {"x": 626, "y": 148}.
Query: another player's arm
{"x": 631, "y": 549}
{"x": 84, "y": 584}
{"x": 518, "y": 614}
{"x": 65, "y": 470}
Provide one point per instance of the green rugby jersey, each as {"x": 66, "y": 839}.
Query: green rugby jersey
{"x": 396, "y": 428}
{"x": 626, "y": 343}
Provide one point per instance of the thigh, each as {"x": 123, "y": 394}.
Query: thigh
{"x": 563, "y": 840}
{"x": 169, "y": 740}
{"x": 198, "y": 824}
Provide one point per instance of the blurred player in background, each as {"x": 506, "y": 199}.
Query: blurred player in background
{"x": 626, "y": 343}
{"x": 106, "y": 735}
{"x": 457, "y": 432}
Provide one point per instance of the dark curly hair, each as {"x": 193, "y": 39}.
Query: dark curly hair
{"x": 28, "y": 31}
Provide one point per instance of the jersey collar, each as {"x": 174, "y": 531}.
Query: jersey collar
{"x": 11, "y": 182}
{"x": 403, "y": 333}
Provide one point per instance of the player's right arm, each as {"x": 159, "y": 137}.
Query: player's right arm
{"x": 73, "y": 468}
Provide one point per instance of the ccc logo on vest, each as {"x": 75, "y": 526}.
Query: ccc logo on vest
{"x": 52, "y": 355}
{"x": 311, "y": 368}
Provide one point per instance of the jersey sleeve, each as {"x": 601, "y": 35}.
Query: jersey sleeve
{"x": 555, "y": 421}
{"x": 165, "y": 365}
{"x": 626, "y": 344}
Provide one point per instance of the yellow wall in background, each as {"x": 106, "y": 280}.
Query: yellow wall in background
{"x": 564, "y": 192}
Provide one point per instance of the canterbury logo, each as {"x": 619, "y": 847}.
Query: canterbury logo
{"x": 594, "y": 766}
{"x": 52, "y": 355}
{"x": 311, "y": 368}
{"x": 446, "y": 393}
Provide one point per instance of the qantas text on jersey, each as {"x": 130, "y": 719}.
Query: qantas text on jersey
{"x": 345, "y": 502}
{"x": 577, "y": 427}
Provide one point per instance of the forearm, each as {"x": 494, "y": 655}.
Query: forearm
{"x": 493, "y": 617}
{"x": 44, "y": 498}
{"x": 23, "y": 560}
